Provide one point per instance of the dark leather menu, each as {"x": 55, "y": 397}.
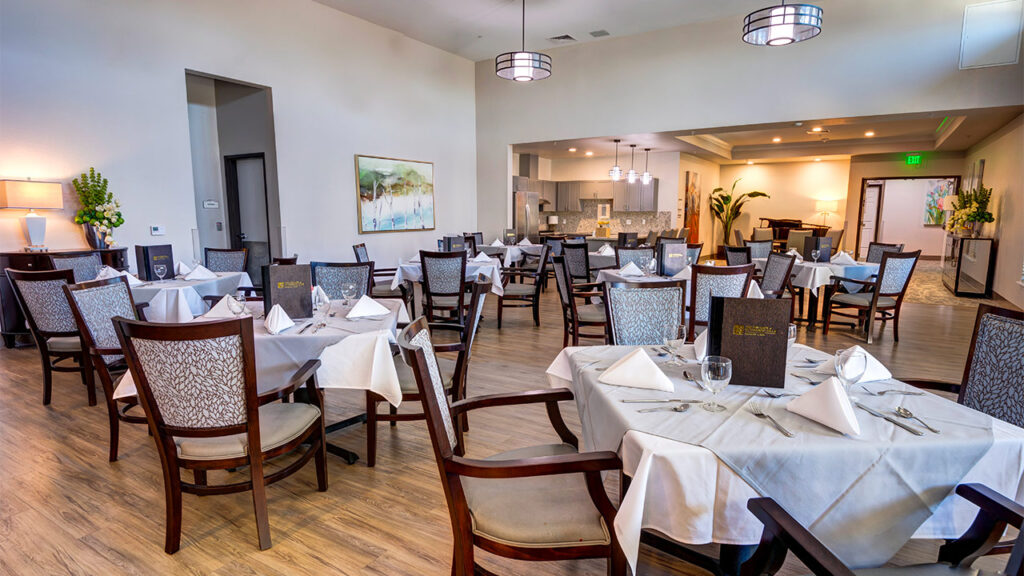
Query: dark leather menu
{"x": 823, "y": 245}
{"x": 671, "y": 258}
{"x": 148, "y": 256}
{"x": 289, "y": 286}
{"x": 753, "y": 333}
{"x": 453, "y": 244}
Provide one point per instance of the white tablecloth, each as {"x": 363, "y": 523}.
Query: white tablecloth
{"x": 413, "y": 272}
{"x": 354, "y": 354}
{"x": 687, "y": 493}
{"x": 601, "y": 261}
{"x": 180, "y": 300}
{"x": 813, "y": 276}
{"x": 511, "y": 254}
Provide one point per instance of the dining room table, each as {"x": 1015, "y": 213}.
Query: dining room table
{"x": 615, "y": 275}
{"x": 354, "y": 354}
{"x": 180, "y": 300}
{"x": 813, "y": 276}
{"x": 691, "y": 473}
{"x": 412, "y": 271}
{"x": 513, "y": 253}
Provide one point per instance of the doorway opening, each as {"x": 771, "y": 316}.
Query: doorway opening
{"x": 905, "y": 211}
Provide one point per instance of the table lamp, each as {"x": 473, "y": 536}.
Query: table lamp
{"x": 31, "y": 195}
{"x": 553, "y": 220}
{"x": 826, "y": 207}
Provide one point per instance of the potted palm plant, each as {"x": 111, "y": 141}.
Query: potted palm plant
{"x": 727, "y": 207}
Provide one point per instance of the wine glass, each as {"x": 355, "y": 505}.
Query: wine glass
{"x": 348, "y": 291}
{"x": 791, "y": 336}
{"x": 715, "y": 371}
{"x": 815, "y": 254}
{"x": 674, "y": 336}
{"x": 160, "y": 270}
{"x": 851, "y": 364}
{"x": 239, "y": 304}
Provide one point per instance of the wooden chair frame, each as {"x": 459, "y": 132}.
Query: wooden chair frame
{"x": 696, "y": 269}
{"x": 539, "y": 277}
{"x": 52, "y": 359}
{"x": 164, "y": 433}
{"x": 576, "y": 278}
{"x": 285, "y": 261}
{"x": 408, "y": 294}
{"x": 453, "y": 465}
{"x": 571, "y": 323}
{"x": 610, "y": 325}
{"x": 429, "y": 307}
{"x": 866, "y": 315}
{"x": 244, "y": 251}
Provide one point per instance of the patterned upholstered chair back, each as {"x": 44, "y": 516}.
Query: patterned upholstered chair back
{"x": 577, "y": 258}
{"x": 554, "y": 245}
{"x": 444, "y": 273}
{"x": 226, "y": 260}
{"x": 470, "y": 243}
{"x": 669, "y": 239}
{"x": 894, "y": 272}
{"x": 42, "y": 299}
{"x": 85, "y": 266}
{"x": 795, "y": 240}
{"x": 836, "y": 236}
{"x": 652, "y": 238}
{"x": 362, "y": 256}
{"x": 693, "y": 252}
{"x": 776, "y": 273}
{"x": 994, "y": 378}
{"x": 737, "y": 255}
{"x": 562, "y": 281}
{"x": 418, "y": 352}
{"x": 760, "y": 249}
{"x": 642, "y": 314}
{"x": 333, "y": 276}
{"x": 877, "y": 249}
{"x": 189, "y": 377}
{"x": 640, "y": 257}
{"x": 708, "y": 281}
{"x": 95, "y": 304}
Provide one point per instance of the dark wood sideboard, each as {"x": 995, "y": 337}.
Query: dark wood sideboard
{"x": 12, "y": 321}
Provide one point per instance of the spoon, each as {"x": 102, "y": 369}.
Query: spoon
{"x": 679, "y": 408}
{"x": 904, "y": 413}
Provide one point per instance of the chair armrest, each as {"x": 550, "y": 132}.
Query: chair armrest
{"x": 539, "y": 466}
{"x": 993, "y": 502}
{"x": 995, "y": 512}
{"x": 781, "y": 533}
{"x": 140, "y": 310}
{"x": 385, "y": 271}
{"x": 592, "y": 268}
{"x": 513, "y": 399}
{"x": 304, "y": 375}
{"x": 585, "y": 285}
{"x": 953, "y": 387}
{"x": 105, "y": 351}
{"x": 838, "y": 279}
{"x": 588, "y": 294}
{"x": 518, "y": 272}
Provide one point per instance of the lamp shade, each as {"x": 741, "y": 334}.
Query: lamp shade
{"x": 830, "y": 206}
{"x": 29, "y": 194}
{"x": 553, "y": 219}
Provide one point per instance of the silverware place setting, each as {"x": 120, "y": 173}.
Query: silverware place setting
{"x": 757, "y": 409}
{"x": 808, "y": 379}
{"x": 904, "y": 413}
{"x": 892, "y": 391}
{"x": 772, "y": 394}
{"x": 890, "y": 419}
{"x": 654, "y": 400}
{"x": 676, "y": 408}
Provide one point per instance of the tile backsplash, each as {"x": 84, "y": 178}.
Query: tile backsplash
{"x": 585, "y": 222}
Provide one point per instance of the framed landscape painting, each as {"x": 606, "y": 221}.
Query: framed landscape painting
{"x": 394, "y": 195}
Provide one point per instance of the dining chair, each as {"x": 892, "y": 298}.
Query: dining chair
{"x": 85, "y": 266}
{"x": 877, "y": 249}
{"x": 577, "y": 258}
{"x": 453, "y": 338}
{"x": 523, "y": 294}
{"x": 759, "y": 248}
{"x": 783, "y": 534}
{"x": 762, "y": 235}
{"x": 539, "y": 503}
{"x": 683, "y": 233}
{"x": 627, "y": 239}
{"x": 578, "y": 316}
{"x": 382, "y": 278}
{"x": 652, "y": 238}
{"x": 554, "y": 249}
{"x": 640, "y": 257}
{"x": 776, "y": 282}
{"x": 880, "y": 299}
{"x": 693, "y": 251}
{"x": 285, "y": 261}
{"x": 738, "y": 236}
{"x": 669, "y": 240}
{"x": 226, "y": 259}
{"x": 644, "y": 313}
{"x": 197, "y": 386}
{"x": 707, "y": 281}
{"x": 333, "y": 276}
{"x": 52, "y": 325}
{"x": 94, "y": 305}
{"x": 836, "y": 236}
{"x": 471, "y": 246}
{"x": 673, "y": 257}
{"x": 795, "y": 240}
{"x": 737, "y": 255}
{"x": 444, "y": 285}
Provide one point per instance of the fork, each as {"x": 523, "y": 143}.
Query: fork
{"x": 890, "y": 391}
{"x": 757, "y": 409}
{"x": 807, "y": 379}
{"x": 771, "y": 394}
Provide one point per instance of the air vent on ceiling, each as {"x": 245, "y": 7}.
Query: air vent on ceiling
{"x": 600, "y": 33}
{"x": 563, "y": 39}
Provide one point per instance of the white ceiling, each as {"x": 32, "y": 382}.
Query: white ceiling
{"x": 482, "y": 29}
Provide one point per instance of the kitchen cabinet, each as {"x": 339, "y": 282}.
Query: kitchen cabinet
{"x": 548, "y": 194}
{"x": 596, "y": 190}
{"x": 522, "y": 183}
{"x": 568, "y": 196}
{"x": 635, "y": 197}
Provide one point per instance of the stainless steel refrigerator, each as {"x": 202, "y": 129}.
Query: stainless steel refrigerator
{"x": 527, "y": 215}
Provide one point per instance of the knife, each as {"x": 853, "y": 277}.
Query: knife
{"x": 894, "y": 421}
{"x": 306, "y": 327}
{"x": 653, "y": 400}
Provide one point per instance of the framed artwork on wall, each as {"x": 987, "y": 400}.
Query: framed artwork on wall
{"x": 692, "y": 193}
{"x": 394, "y": 195}
{"x": 935, "y": 190}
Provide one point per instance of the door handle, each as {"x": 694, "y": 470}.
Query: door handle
{"x": 241, "y": 236}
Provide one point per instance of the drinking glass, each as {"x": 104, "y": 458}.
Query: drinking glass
{"x": 715, "y": 371}
{"x": 160, "y": 270}
{"x": 851, "y": 363}
{"x": 348, "y": 291}
{"x": 239, "y": 304}
{"x": 674, "y": 337}
{"x": 791, "y": 335}
{"x": 815, "y": 254}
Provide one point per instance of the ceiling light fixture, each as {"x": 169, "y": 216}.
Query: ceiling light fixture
{"x": 572, "y": 149}
{"x": 523, "y": 66}
{"x": 869, "y": 134}
{"x": 631, "y": 175}
{"x": 817, "y": 159}
{"x": 816, "y": 129}
{"x": 645, "y": 178}
{"x": 782, "y": 24}
{"x": 616, "y": 173}
{"x": 750, "y": 162}
{"x": 588, "y": 153}
{"x": 776, "y": 140}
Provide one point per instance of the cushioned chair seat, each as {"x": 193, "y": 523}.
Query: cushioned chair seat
{"x": 545, "y": 511}
{"x": 591, "y": 313}
{"x": 64, "y": 344}
{"x": 449, "y": 301}
{"x": 407, "y": 380}
{"x": 385, "y": 291}
{"x": 863, "y": 299}
{"x": 279, "y": 424}
{"x": 925, "y": 570}
{"x": 520, "y": 290}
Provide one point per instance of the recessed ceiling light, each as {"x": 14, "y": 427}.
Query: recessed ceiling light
{"x": 816, "y": 129}
{"x": 588, "y": 153}
{"x": 572, "y": 149}
{"x": 776, "y": 140}
{"x": 869, "y": 133}
{"x": 750, "y": 162}
{"x": 798, "y": 123}
{"x": 817, "y": 159}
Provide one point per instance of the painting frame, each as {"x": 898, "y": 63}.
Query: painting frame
{"x": 366, "y": 162}
{"x": 934, "y": 215}
{"x": 692, "y": 206}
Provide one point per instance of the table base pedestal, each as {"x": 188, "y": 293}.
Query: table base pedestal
{"x": 348, "y": 456}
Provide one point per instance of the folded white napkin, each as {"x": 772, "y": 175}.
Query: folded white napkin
{"x": 277, "y": 320}
{"x": 181, "y": 269}
{"x": 828, "y": 404}
{"x": 636, "y": 370}
{"x": 683, "y": 274}
{"x": 631, "y": 270}
{"x": 700, "y": 345}
{"x": 200, "y": 273}
{"x": 793, "y": 252}
{"x": 367, "y": 307}
{"x": 320, "y": 298}
{"x": 107, "y": 272}
{"x": 227, "y": 307}
{"x": 525, "y": 242}
{"x": 874, "y": 372}
{"x": 844, "y": 259}
{"x": 415, "y": 258}
{"x": 481, "y": 257}
{"x": 606, "y": 250}
{"x": 755, "y": 291}
{"x": 497, "y": 243}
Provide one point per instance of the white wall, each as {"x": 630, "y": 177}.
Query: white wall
{"x": 902, "y": 219}
{"x": 103, "y": 84}
{"x": 1004, "y": 173}
{"x": 703, "y": 76}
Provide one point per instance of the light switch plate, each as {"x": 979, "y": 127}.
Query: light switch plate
{"x": 628, "y": 222}
{"x": 156, "y": 230}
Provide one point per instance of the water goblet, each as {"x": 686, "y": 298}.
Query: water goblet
{"x": 674, "y": 337}
{"x": 815, "y": 254}
{"x": 791, "y": 336}
{"x": 239, "y": 304}
{"x": 160, "y": 270}
{"x": 851, "y": 363}
{"x": 348, "y": 291}
{"x": 715, "y": 371}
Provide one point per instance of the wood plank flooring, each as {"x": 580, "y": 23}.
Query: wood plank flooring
{"x": 65, "y": 510}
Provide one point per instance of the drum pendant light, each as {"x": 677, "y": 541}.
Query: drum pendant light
{"x": 523, "y": 66}
{"x": 782, "y": 24}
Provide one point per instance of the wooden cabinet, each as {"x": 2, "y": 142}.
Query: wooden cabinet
{"x": 548, "y": 194}
{"x": 596, "y": 190}
{"x": 569, "y": 194}
{"x": 12, "y": 321}
{"x": 635, "y": 197}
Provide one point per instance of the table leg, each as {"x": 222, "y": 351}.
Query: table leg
{"x": 347, "y": 455}
{"x": 812, "y": 307}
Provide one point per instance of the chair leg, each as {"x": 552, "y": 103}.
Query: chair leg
{"x": 371, "y": 430}
{"x": 501, "y": 307}
{"x": 536, "y": 311}
{"x": 88, "y": 377}
{"x": 896, "y": 325}
{"x": 617, "y": 560}
{"x": 828, "y": 318}
{"x": 47, "y": 378}
{"x": 259, "y": 497}
{"x": 172, "y": 498}
{"x": 320, "y": 461}
{"x": 115, "y": 425}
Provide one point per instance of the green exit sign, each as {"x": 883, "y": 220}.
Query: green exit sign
{"x": 913, "y": 159}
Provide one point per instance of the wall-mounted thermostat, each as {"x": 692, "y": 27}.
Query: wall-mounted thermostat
{"x": 211, "y": 204}
{"x": 156, "y": 230}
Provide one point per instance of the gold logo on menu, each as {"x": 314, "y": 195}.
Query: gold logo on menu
{"x": 161, "y": 257}
{"x": 291, "y": 284}
{"x": 747, "y": 330}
